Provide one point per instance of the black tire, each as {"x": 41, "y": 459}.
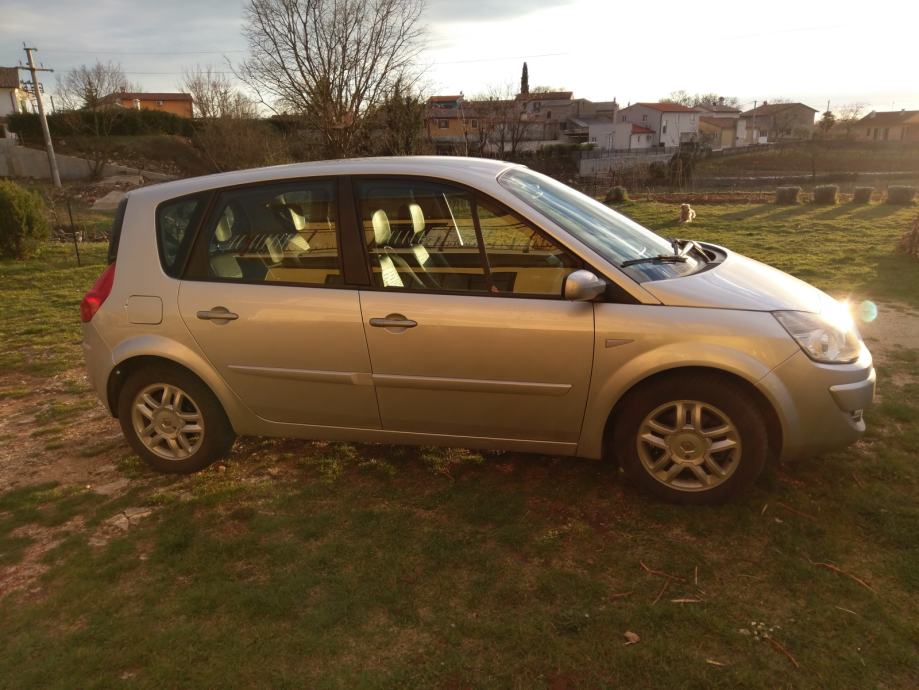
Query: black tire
{"x": 216, "y": 439}
{"x": 729, "y": 398}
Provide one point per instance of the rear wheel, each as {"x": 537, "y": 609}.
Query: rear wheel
{"x": 691, "y": 438}
{"x": 172, "y": 420}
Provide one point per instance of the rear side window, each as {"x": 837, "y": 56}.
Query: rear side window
{"x": 115, "y": 235}
{"x": 175, "y": 221}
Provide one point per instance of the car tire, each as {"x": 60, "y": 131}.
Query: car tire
{"x": 172, "y": 420}
{"x": 714, "y": 453}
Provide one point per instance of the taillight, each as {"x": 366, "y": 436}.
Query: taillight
{"x": 97, "y": 294}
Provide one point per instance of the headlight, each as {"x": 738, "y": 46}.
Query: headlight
{"x": 830, "y": 336}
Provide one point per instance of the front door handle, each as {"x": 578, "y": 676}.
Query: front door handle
{"x": 217, "y": 314}
{"x": 393, "y": 321}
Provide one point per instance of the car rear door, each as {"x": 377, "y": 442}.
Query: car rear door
{"x": 467, "y": 329}
{"x": 266, "y": 299}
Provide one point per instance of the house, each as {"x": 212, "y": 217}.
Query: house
{"x": 670, "y": 124}
{"x": 718, "y": 109}
{"x": 718, "y": 132}
{"x": 901, "y": 125}
{"x": 13, "y": 98}
{"x": 775, "y": 122}
{"x": 546, "y": 112}
{"x": 176, "y": 103}
{"x": 451, "y": 124}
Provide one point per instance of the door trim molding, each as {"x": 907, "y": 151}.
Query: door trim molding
{"x": 354, "y": 378}
{"x": 470, "y": 385}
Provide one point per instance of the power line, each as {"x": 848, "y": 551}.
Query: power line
{"x": 144, "y": 52}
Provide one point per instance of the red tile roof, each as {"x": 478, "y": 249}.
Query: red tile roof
{"x": 641, "y": 129}
{"x": 720, "y": 122}
{"x": 772, "y": 108}
{"x": 9, "y": 78}
{"x": 669, "y": 107}
{"x": 545, "y": 96}
{"x": 898, "y": 117}
{"x": 444, "y": 99}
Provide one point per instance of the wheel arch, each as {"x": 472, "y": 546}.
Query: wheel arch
{"x": 145, "y": 351}
{"x": 764, "y": 406}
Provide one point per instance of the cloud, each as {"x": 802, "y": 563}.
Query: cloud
{"x": 484, "y": 10}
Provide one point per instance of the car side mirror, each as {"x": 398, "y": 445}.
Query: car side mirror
{"x": 583, "y": 286}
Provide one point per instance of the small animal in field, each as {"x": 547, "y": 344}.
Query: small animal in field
{"x": 686, "y": 213}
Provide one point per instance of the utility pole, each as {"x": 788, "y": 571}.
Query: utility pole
{"x": 36, "y": 86}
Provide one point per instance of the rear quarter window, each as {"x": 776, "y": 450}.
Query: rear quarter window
{"x": 115, "y": 235}
{"x": 176, "y": 222}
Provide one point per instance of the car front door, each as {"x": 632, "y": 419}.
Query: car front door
{"x": 265, "y": 300}
{"x": 467, "y": 329}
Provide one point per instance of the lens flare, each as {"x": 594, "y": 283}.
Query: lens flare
{"x": 867, "y": 311}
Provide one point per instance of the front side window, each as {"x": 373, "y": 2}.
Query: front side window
{"x": 281, "y": 233}
{"x": 427, "y": 235}
{"x": 174, "y": 222}
{"x": 611, "y": 235}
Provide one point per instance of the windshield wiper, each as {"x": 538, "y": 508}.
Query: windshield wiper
{"x": 683, "y": 247}
{"x": 660, "y": 258}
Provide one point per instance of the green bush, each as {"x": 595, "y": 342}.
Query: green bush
{"x": 617, "y": 195}
{"x": 787, "y": 195}
{"x": 900, "y": 194}
{"x": 80, "y": 122}
{"x": 826, "y": 194}
{"x": 862, "y": 195}
{"x": 23, "y": 224}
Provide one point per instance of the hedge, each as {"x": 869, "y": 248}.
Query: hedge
{"x": 617, "y": 195}
{"x": 862, "y": 195}
{"x": 900, "y": 194}
{"x": 787, "y": 195}
{"x": 80, "y": 122}
{"x": 826, "y": 194}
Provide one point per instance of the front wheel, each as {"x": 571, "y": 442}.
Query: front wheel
{"x": 692, "y": 438}
{"x": 172, "y": 420}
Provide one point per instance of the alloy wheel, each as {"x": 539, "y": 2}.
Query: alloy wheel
{"x": 689, "y": 445}
{"x": 167, "y": 421}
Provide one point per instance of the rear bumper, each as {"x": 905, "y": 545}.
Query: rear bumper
{"x": 820, "y": 406}
{"x": 98, "y": 358}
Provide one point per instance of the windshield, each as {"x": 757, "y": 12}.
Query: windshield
{"x": 613, "y": 236}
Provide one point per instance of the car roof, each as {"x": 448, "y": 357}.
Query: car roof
{"x": 471, "y": 171}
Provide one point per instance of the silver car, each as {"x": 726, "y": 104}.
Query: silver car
{"x": 460, "y": 302}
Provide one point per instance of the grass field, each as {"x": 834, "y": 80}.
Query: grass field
{"x": 300, "y": 564}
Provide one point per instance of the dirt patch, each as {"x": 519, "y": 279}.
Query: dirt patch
{"x": 895, "y": 327}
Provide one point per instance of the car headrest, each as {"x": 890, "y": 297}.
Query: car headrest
{"x": 381, "y": 229}
{"x": 222, "y": 232}
{"x": 417, "y": 218}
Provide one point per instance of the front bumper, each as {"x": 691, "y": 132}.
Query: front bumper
{"x": 820, "y": 406}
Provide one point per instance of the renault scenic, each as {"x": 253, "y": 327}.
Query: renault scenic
{"x": 462, "y": 302}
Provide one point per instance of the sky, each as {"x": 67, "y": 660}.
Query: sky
{"x": 794, "y": 49}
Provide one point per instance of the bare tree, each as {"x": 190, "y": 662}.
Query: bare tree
{"x": 849, "y": 115}
{"x": 214, "y": 94}
{"x": 86, "y": 99}
{"x": 331, "y": 62}
{"x": 502, "y": 123}
{"x": 683, "y": 97}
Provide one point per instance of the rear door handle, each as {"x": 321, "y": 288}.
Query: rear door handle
{"x": 217, "y": 314}
{"x": 393, "y": 321}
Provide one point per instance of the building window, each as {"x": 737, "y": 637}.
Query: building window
{"x": 664, "y": 128}
{"x": 886, "y": 132}
{"x": 159, "y": 103}
{"x": 644, "y": 118}
{"x": 443, "y": 124}
{"x": 647, "y": 137}
{"x": 475, "y": 124}
{"x": 548, "y": 114}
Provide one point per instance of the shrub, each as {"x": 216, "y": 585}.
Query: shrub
{"x": 826, "y": 194}
{"x": 787, "y": 195}
{"x": 900, "y": 194}
{"x": 862, "y": 195}
{"x": 23, "y": 224}
{"x": 123, "y": 122}
{"x": 909, "y": 243}
{"x": 617, "y": 195}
